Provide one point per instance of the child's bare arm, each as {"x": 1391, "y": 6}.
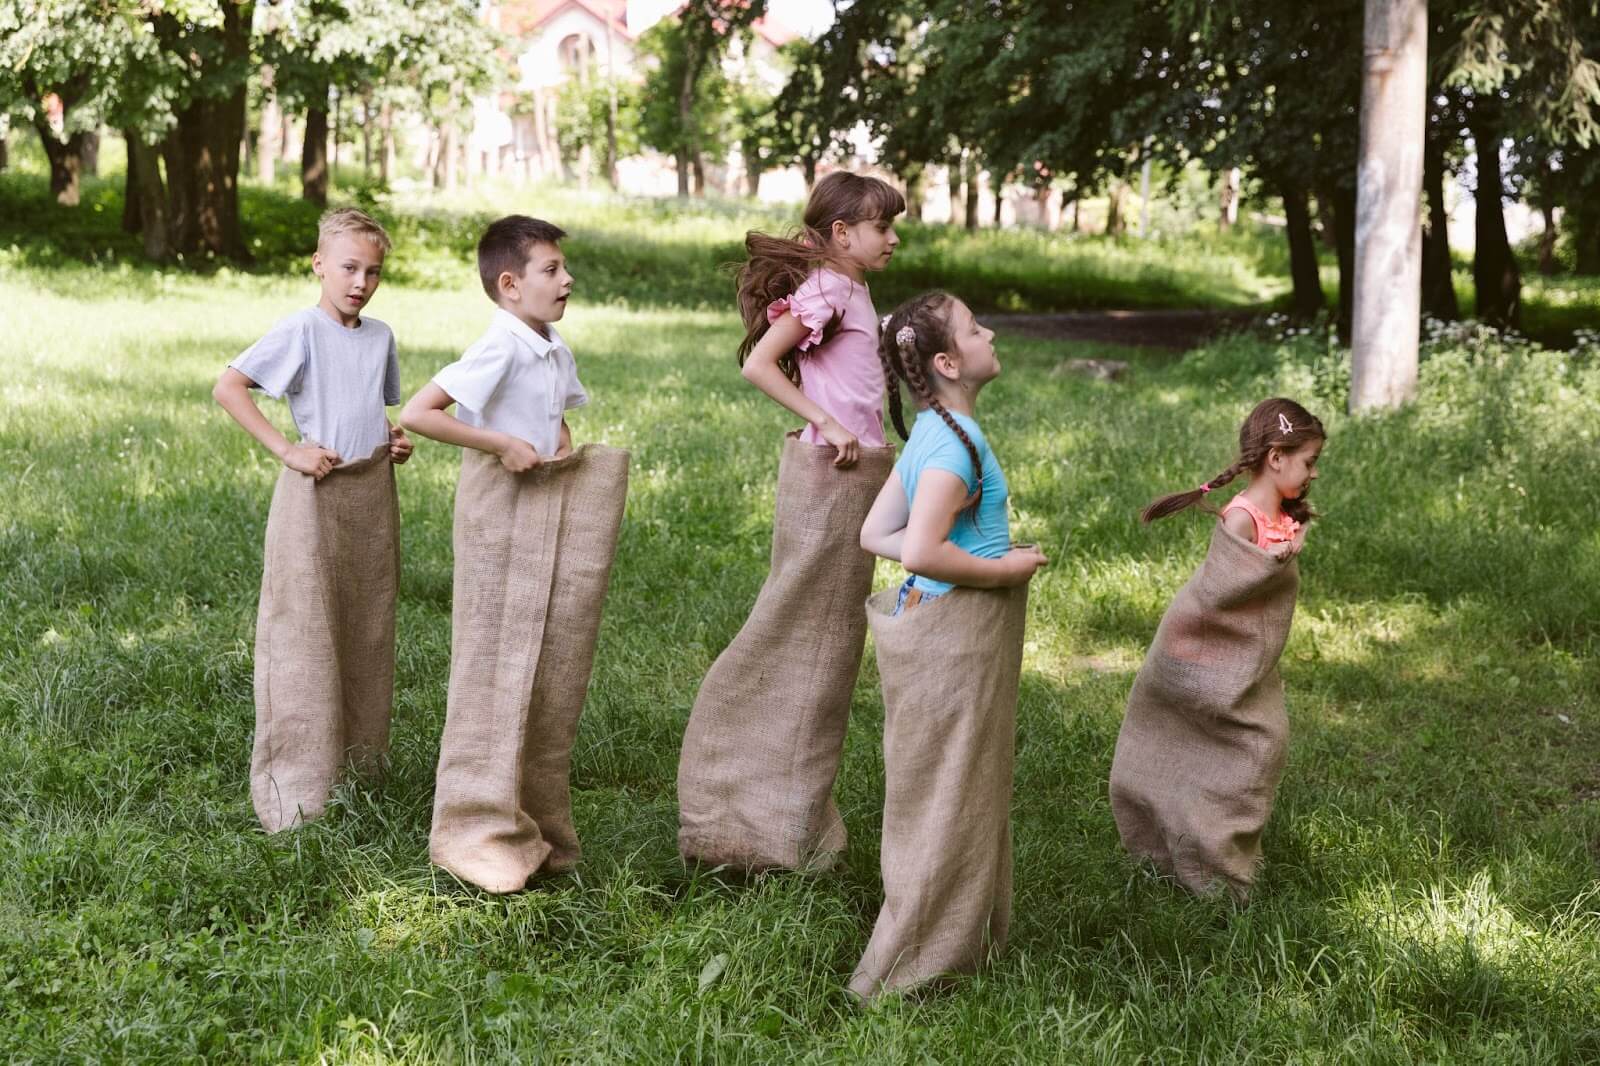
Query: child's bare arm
{"x": 564, "y": 448}
{"x": 761, "y": 370}
{"x": 885, "y": 528}
{"x": 926, "y": 548}
{"x": 425, "y": 414}
{"x": 232, "y": 392}
{"x": 1240, "y": 524}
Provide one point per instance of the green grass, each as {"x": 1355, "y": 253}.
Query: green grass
{"x": 1431, "y": 891}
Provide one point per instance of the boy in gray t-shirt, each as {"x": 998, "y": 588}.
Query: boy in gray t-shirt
{"x": 324, "y": 669}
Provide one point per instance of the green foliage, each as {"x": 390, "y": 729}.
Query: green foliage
{"x": 1429, "y": 894}
{"x": 583, "y": 114}
{"x": 662, "y": 126}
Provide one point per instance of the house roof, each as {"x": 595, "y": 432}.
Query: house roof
{"x": 521, "y": 17}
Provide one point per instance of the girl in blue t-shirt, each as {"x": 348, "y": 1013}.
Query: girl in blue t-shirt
{"x": 949, "y": 671}
{"x": 942, "y": 513}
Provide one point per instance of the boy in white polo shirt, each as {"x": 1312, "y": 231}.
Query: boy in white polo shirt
{"x": 535, "y": 533}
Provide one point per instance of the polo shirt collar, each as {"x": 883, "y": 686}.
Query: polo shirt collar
{"x": 513, "y": 325}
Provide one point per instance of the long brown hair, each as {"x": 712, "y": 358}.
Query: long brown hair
{"x": 912, "y": 335}
{"x": 775, "y": 267}
{"x": 1263, "y": 430}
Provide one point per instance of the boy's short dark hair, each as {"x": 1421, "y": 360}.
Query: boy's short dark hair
{"x": 505, "y": 246}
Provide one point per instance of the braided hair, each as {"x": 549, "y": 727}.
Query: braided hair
{"x": 1275, "y": 423}
{"x": 911, "y": 335}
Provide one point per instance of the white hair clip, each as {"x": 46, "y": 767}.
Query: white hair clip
{"x": 906, "y": 337}
{"x": 883, "y": 323}
{"x": 1284, "y": 425}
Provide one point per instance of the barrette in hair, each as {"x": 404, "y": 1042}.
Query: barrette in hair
{"x": 883, "y": 323}
{"x": 906, "y": 337}
{"x": 1284, "y": 425}
{"x": 1205, "y": 488}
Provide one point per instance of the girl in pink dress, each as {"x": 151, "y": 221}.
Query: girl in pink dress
{"x": 762, "y": 748}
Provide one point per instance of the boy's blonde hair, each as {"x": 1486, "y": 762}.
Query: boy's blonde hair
{"x": 351, "y": 220}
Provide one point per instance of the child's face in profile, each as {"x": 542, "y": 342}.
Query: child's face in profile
{"x": 539, "y": 294}
{"x": 350, "y": 266}
{"x": 974, "y": 342}
{"x": 870, "y": 244}
{"x": 1294, "y": 471}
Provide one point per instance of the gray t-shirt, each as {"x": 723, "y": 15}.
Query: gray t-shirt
{"x": 337, "y": 380}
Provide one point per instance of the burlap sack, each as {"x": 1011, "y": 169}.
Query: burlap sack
{"x": 533, "y": 556}
{"x": 762, "y": 749}
{"x": 950, "y": 668}
{"x": 324, "y": 671}
{"x": 1203, "y": 742}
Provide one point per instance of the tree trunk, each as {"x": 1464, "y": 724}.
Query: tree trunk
{"x": 752, "y": 176}
{"x": 688, "y": 154}
{"x": 366, "y": 136}
{"x": 699, "y": 169}
{"x": 130, "y": 187}
{"x": 5, "y": 154}
{"x": 149, "y": 198}
{"x": 1144, "y": 199}
{"x": 1584, "y": 222}
{"x": 915, "y": 175}
{"x": 1438, "y": 280}
{"x": 314, "y": 152}
{"x": 1119, "y": 189}
{"x": 1228, "y": 204}
{"x": 1547, "y": 239}
{"x": 267, "y": 146}
{"x": 91, "y": 154}
{"x": 974, "y": 189}
{"x": 1496, "y": 281}
{"x": 1388, "y": 274}
{"x": 386, "y": 159}
{"x": 66, "y": 163}
{"x": 1308, "y": 300}
{"x": 338, "y": 115}
{"x": 202, "y": 156}
{"x": 808, "y": 167}
{"x": 448, "y": 154}
{"x": 1340, "y": 204}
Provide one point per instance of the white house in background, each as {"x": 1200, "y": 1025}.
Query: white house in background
{"x": 556, "y": 41}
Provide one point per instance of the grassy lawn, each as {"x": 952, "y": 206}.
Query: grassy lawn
{"x": 1431, "y": 891}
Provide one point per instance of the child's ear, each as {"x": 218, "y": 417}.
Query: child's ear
{"x": 316, "y": 262}
{"x": 839, "y": 231}
{"x": 1275, "y": 458}
{"x": 507, "y": 284}
{"x": 946, "y": 366}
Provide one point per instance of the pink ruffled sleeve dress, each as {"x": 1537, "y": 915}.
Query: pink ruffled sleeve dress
{"x": 842, "y": 376}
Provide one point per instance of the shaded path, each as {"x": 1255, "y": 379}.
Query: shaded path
{"x": 1176, "y": 330}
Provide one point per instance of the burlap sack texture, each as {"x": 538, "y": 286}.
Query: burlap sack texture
{"x": 950, "y": 669}
{"x": 762, "y": 749}
{"x": 1203, "y": 741}
{"x": 324, "y": 669}
{"x": 533, "y": 555}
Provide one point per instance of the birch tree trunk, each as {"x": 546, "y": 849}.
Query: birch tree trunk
{"x": 1385, "y": 314}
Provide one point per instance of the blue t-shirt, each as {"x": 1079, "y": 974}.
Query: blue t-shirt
{"x": 985, "y": 532}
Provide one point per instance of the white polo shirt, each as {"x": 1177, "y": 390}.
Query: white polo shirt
{"x": 514, "y": 381}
